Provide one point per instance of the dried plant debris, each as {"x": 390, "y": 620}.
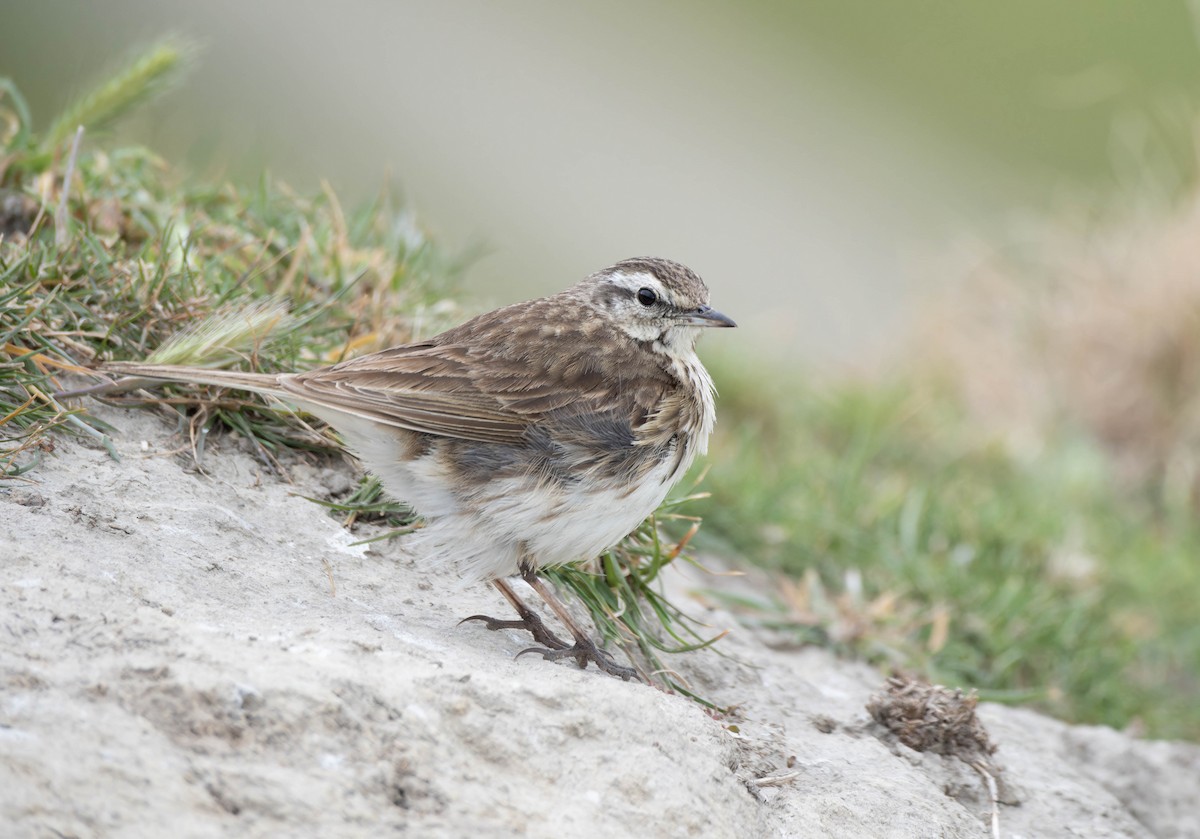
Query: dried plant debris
{"x": 932, "y": 718}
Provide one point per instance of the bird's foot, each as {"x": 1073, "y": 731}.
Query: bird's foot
{"x": 585, "y": 650}
{"x": 530, "y": 621}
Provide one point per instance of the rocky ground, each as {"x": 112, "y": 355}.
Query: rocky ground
{"x": 204, "y": 653}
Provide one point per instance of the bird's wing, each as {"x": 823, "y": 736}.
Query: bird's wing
{"x": 419, "y": 387}
{"x": 486, "y": 392}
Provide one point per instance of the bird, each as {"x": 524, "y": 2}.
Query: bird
{"x": 531, "y": 436}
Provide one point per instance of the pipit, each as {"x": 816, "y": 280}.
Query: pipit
{"x": 534, "y": 435}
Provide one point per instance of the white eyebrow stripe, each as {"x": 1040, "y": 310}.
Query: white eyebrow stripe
{"x": 639, "y": 280}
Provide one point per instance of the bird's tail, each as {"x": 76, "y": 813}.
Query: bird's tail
{"x": 140, "y": 374}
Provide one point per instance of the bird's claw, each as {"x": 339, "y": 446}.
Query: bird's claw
{"x": 531, "y": 622}
{"x": 583, "y": 652}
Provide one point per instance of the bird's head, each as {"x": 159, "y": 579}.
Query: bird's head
{"x": 656, "y": 301}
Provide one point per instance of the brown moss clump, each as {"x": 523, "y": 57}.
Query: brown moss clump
{"x": 932, "y": 718}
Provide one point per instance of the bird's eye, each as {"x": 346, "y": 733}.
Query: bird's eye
{"x": 647, "y": 297}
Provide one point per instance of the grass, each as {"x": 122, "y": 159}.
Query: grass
{"x": 115, "y": 260}
{"x": 106, "y": 255}
{"x": 909, "y": 538}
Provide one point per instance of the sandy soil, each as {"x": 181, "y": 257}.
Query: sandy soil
{"x": 175, "y": 662}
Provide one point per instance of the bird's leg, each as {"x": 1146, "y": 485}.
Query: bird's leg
{"x": 585, "y": 648}
{"x": 530, "y": 620}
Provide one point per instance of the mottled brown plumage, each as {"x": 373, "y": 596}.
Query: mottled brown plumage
{"x": 532, "y": 435}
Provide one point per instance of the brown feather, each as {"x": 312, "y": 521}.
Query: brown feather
{"x": 496, "y": 376}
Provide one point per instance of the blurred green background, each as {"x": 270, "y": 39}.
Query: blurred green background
{"x": 804, "y": 157}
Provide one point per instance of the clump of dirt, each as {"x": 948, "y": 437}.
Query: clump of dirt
{"x": 932, "y": 718}
{"x": 17, "y": 212}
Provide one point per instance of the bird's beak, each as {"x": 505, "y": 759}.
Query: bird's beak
{"x": 706, "y": 316}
